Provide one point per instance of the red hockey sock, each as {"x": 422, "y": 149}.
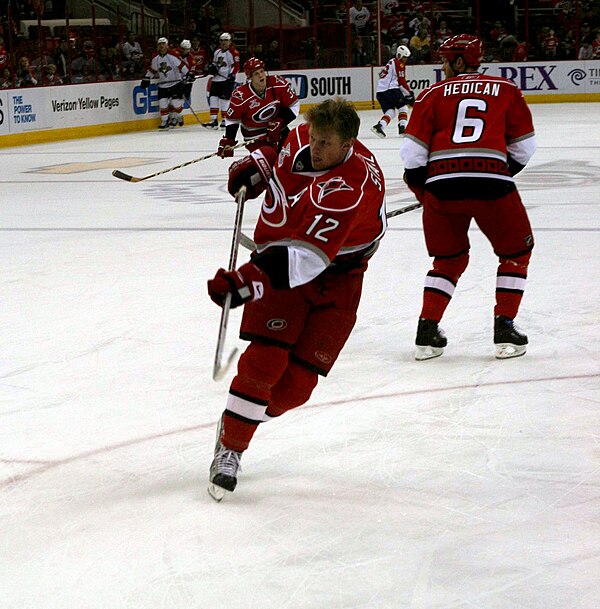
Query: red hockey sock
{"x": 510, "y": 285}
{"x": 440, "y": 283}
{"x": 259, "y": 369}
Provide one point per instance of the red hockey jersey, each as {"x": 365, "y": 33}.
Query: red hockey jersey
{"x": 253, "y": 112}
{"x": 467, "y": 137}
{"x": 322, "y": 216}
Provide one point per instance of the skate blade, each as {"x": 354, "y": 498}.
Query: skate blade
{"x": 508, "y": 350}
{"x": 377, "y": 133}
{"x": 216, "y": 492}
{"x": 423, "y": 353}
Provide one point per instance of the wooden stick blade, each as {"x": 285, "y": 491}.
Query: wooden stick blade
{"x": 124, "y": 176}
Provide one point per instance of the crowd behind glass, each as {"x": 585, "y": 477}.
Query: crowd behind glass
{"x": 39, "y": 46}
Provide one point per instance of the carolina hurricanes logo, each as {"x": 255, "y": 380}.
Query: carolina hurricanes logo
{"x": 266, "y": 113}
{"x": 237, "y": 94}
{"x": 254, "y": 104}
{"x": 332, "y": 185}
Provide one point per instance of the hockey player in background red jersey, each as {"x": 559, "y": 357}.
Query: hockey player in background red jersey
{"x": 320, "y": 222}
{"x": 467, "y": 137}
{"x": 262, "y": 108}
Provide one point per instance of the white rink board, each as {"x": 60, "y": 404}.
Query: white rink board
{"x": 88, "y": 105}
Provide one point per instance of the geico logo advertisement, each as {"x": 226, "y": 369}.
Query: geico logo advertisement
{"x": 145, "y": 100}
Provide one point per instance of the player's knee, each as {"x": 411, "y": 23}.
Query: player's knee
{"x": 516, "y": 264}
{"x": 262, "y": 364}
{"x": 293, "y": 390}
{"x": 452, "y": 267}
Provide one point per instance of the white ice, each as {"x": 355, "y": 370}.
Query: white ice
{"x": 460, "y": 482}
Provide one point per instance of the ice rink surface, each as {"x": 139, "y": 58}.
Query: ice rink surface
{"x": 463, "y": 482}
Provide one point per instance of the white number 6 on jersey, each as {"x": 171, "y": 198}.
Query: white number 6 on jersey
{"x": 468, "y": 129}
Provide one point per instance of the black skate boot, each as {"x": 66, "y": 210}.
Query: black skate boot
{"x": 223, "y": 469}
{"x": 508, "y": 340}
{"x": 378, "y": 131}
{"x": 430, "y": 341}
{"x": 401, "y": 129}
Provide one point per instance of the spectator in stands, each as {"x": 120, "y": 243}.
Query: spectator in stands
{"x": 359, "y": 55}
{"x": 4, "y": 63}
{"x": 61, "y": 59}
{"x": 550, "y": 45}
{"x": 420, "y": 46}
{"x": 25, "y": 74}
{"x": 585, "y": 31}
{"x": 6, "y": 80}
{"x": 586, "y": 51}
{"x": 133, "y": 57}
{"x": 213, "y": 23}
{"x": 51, "y": 76}
{"x": 442, "y": 33}
{"x": 520, "y": 53}
{"x": 596, "y": 45}
{"x": 39, "y": 65}
{"x": 419, "y": 23}
{"x": 508, "y": 44}
{"x": 272, "y": 56}
{"x": 359, "y": 18}
{"x": 498, "y": 32}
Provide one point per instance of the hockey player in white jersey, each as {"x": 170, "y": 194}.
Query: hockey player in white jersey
{"x": 169, "y": 69}
{"x": 393, "y": 93}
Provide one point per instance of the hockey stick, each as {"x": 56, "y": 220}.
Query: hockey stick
{"x": 403, "y": 210}
{"x": 219, "y": 369}
{"x": 124, "y": 176}
{"x": 249, "y": 244}
{"x": 189, "y": 103}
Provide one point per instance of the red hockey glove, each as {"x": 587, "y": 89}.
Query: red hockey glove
{"x": 226, "y": 147}
{"x": 253, "y": 171}
{"x": 274, "y": 129}
{"x": 245, "y": 285}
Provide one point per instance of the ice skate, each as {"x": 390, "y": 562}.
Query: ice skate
{"x": 222, "y": 125}
{"x": 430, "y": 341}
{"x": 223, "y": 469}
{"x": 378, "y": 131}
{"x": 401, "y": 129}
{"x": 164, "y": 125}
{"x": 211, "y": 125}
{"x": 508, "y": 340}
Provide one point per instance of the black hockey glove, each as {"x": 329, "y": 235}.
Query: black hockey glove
{"x": 410, "y": 99}
{"x": 212, "y": 69}
{"x": 145, "y": 83}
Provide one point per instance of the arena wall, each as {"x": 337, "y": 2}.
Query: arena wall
{"x": 44, "y": 114}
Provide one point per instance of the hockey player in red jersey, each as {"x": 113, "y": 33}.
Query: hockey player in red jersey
{"x": 320, "y": 222}
{"x": 467, "y": 137}
{"x": 393, "y": 93}
{"x": 263, "y": 108}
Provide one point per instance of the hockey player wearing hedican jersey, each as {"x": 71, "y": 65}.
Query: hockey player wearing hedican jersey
{"x": 320, "y": 222}
{"x": 263, "y": 108}
{"x": 169, "y": 69}
{"x": 467, "y": 137}
{"x": 393, "y": 93}
{"x": 224, "y": 67}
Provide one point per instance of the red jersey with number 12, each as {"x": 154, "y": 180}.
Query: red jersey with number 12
{"x": 332, "y": 213}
